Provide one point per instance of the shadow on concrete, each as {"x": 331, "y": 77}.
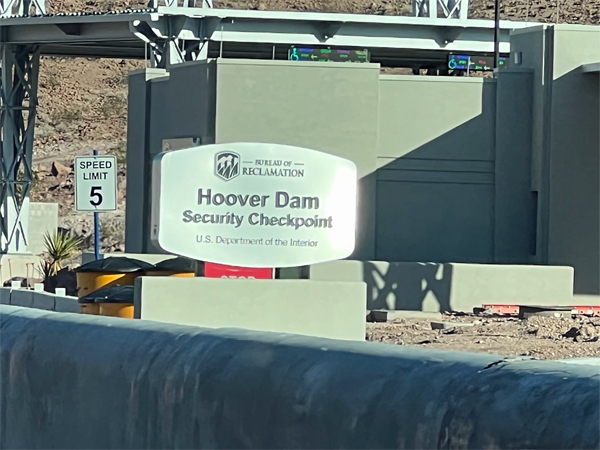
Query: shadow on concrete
{"x": 436, "y": 203}
{"x": 405, "y": 286}
{"x": 466, "y": 196}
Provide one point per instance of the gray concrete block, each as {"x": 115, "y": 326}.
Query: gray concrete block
{"x": 377, "y": 316}
{"x": 42, "y": 300}
{"x": 5, "y": 295}
{"x": 451, "y": 287}
{"x": 66, "y": 304}
{"x": 323, "y": 309}
{"x": 22, "y": 297}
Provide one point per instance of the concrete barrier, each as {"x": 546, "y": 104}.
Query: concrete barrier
{"x": 4, "y": 296}
{"x": 452, "y": 287}
{"x": 76, "y": 381}
{"x": 66, "y": 304}
{"x": 22, "y": 297}
{"x": 43, "y": 300}
{"x": 38, "y": 299}
{"x": 332, "y": 310}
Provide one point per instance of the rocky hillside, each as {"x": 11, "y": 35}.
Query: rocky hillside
{"x": 83, "y": 101}
{"x": 564, "y": 11}
{"x": 82, "y": 107}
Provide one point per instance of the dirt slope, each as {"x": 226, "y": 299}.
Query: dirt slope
{"x": 83, "y": 101}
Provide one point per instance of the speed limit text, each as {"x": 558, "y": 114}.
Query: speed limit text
{"x": 95, "y": 175}
{"x": 95, "y": 165}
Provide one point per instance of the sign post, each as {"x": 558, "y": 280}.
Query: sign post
{"x": 96, "y": 188}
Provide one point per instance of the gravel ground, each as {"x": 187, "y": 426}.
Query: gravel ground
{"x": 539, "y": 337}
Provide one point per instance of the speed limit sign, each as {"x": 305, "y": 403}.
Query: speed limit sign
{"x": 96, "y": 183}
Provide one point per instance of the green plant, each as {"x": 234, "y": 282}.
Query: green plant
{"x": 60, "y": 246}
{"x": 45, "y": 269}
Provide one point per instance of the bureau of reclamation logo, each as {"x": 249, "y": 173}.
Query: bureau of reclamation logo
{"x": 227, "y": 165}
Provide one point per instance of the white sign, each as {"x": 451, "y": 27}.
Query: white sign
{"x": 254, "y": 205}
{"x": 96, "y": 183}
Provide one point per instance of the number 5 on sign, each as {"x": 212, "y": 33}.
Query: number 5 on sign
{"x": 96, "y": 183}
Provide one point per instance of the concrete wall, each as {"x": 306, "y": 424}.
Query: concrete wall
{"x": 452, "y": 287}
{"x": 515, "y": 203}
{"x": 452, "y": 170}
{"x": 574, "y": 208}
{"x": 139, "y": 113}
{"x": 332, "y": 310}
{"x": 39, "y": 300}
{"x": 430, "y": 187}
{"x": 331, "y": 107}
{"x": 435, "y": 178}
{"x": 76, "y": 381}
{"x": 565, "y": 146}
{"x": 417, "y": 163}
{"x": 43, "y": 217}
{"x": 174, "y": 105}
{"x": 19, "y": 265}
{"x": 528, "y": 52}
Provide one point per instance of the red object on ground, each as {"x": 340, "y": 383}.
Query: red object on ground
{"x": 587, "y": 310}
{"x": 212, "y": 270}
{"x": 502, "y": 309}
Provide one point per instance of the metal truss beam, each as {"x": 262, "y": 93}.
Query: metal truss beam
{"x": 92, "y": 29}
{"x": 168, "y": 42}
{"x": 344, "y": 30}
{"x": 451, "y": 9}
{"x": 181, "y": 3}
{"x": 180, "y": 34}
{"x": 18, "y": 103}
{"x": 187, "y": 28}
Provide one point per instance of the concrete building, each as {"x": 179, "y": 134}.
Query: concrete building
{"x": 42, "y": 219}
{"x": 452, "y": 169}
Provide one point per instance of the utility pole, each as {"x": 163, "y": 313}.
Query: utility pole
{"x": 496, "y": 34}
